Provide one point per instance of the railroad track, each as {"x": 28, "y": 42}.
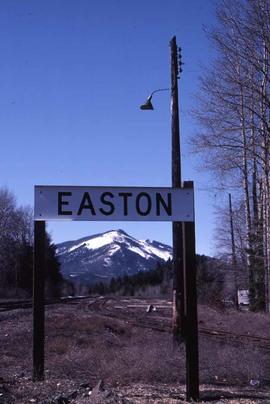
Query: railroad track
{"x": 13, "y": 305}
{"x": 161, "y": 320}
{"x": 28, "y": 303}
{"x": 133, "y": 312}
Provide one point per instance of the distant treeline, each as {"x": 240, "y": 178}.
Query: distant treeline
{"x": 129, "y": 285}
{"x": 210, "y": 281}
{"x": 16, "y": 251}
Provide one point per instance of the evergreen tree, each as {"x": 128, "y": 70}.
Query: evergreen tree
{"x": 53, "y": 276}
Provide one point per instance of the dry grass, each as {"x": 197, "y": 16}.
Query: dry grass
{"x": 98, "y": 347}
{"x": 84, "y": 347}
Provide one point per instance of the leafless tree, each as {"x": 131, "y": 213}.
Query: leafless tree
{"x": 16, "y": 232}
{"x": 234, "y": 116}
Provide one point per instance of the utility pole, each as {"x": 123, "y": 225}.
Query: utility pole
{"x": 177, "y": 228}
{"x": 185, "y": 321}
{"x": 234, "y": 261}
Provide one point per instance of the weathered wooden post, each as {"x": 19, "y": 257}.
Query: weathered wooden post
{"x": 191, "y": 327}
{"x": 177, "y": 227}
{"x": 38, "y": 300}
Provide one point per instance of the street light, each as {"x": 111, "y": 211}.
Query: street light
{"x": 148, "y": 104}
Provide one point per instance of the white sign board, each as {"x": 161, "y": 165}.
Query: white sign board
{"x": 113, "y": 203}
{"x": 243, "y": 297}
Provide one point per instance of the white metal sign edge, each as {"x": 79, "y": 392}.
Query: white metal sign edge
{"x": 94, "y": 203}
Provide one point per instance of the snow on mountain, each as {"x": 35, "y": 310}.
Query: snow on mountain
{"x": 111, "y": 254}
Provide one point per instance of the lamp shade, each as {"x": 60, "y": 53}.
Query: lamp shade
{"x": 148, "y": 104}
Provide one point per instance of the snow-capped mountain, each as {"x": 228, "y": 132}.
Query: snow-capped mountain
{"x": 112, "y": 254}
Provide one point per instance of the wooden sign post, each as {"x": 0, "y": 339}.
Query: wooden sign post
{"x": 127, "y": 204}
{"x": 191, "y": 317}
{"x": 38, "y": 300}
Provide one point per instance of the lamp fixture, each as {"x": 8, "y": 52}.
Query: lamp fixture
{"x": 148, "y": 104}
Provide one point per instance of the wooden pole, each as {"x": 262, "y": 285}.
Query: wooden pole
{"x": 38, "y": 300}
{"x": 234, "y": 261}
{"x": 191, "y": 327}
{"x": 177, "y": 231}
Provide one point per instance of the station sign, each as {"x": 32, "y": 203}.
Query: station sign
{"x": 85, "y": 203}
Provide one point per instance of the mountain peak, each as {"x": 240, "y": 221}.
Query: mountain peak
{"x": 111, "y": 254}
{"x": 115, "y": 233}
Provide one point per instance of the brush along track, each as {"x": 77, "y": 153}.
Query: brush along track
{"x": 134, "y": 312}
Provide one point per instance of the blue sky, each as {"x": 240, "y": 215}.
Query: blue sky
{"x": 72, "y": 77}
